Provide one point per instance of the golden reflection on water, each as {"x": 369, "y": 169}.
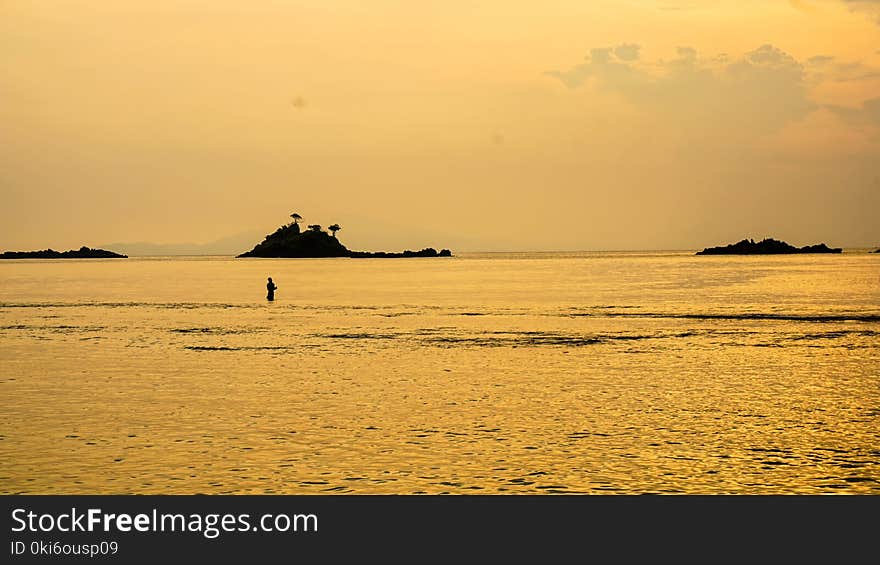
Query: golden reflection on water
{"x": 614, "y": 373}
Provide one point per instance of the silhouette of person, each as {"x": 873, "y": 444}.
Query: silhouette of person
{"x": 270, "y": 288}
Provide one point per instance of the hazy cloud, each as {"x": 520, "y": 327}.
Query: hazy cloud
{"x": 627, "y": 51}
{"x": 600, "y": 56}
{"x": 688, "y": 54}
{"x": 868, "y": 113}
{"x": 825, "y": 67}
{"x": 600, "y": 61}
{"x": 760, "y": 90}
{"x": 869, "y": 7}
{"x": 856, "y": 4}
{"x": 772, "y": 56}
{"x": 844, "y": 72}
{"x": 820, "y": 60}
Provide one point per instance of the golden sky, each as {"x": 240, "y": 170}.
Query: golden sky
{"x": 492, "y": 125}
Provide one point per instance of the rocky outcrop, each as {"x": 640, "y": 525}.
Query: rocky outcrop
{"x": 767, "y": 246}
{"x": 81, "y": 253}
{"x": 427, "y": 252}
{"x": 288, "y": 242}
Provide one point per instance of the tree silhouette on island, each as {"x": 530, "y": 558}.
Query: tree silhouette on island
{"x": 288, "y": 242}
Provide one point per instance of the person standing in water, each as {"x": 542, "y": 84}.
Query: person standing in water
{"x": 270, "y": 288}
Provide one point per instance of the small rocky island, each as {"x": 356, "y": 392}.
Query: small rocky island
{"x": 289, "y": 241}
{"x": 767, "y": 246}
{"x": 81, "y": 253}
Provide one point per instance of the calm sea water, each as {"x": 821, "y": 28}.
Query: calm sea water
{"x": 484, "y": 373}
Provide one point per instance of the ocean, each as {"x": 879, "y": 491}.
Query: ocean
{"x": 495, "y": 373}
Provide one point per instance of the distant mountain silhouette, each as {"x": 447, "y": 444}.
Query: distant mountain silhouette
{"x": 288, "y": 241}
{"x": 230, "y": 245}
{"x": 81, "y": 253}
{"x": 767, "y": 246}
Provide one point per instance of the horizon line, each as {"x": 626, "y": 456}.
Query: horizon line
{"x": 480, "y": 251}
